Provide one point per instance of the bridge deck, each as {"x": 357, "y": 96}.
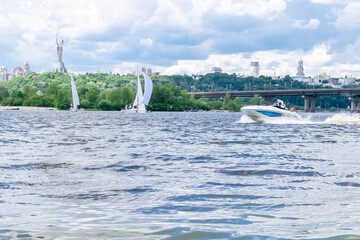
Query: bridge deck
{"x": 350, "y": 92}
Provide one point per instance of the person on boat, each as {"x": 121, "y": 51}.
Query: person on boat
{"x": 279, "y": 103}
{"x": 293, "y": 110}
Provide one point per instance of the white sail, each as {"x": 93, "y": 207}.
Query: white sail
{"x": 75, "y": 96}
{"x": 139, "y": 94}
{"x": 142, "y": 99}
{"x": 148, "y": 88}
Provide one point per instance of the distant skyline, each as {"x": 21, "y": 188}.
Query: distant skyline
{"x": 183, "y": 36}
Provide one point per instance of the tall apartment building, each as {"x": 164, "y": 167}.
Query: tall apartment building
{"x": 254, "y": 69}
{"x": 3, "y": 74}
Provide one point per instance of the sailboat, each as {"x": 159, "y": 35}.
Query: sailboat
{"x": 75, "y": 97}
{"x": 141, "y": 98}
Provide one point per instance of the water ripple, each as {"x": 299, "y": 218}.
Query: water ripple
{"x": 269, "y": 172}
{"x": 163, "y": 175}
{"x": 209, "y": 197}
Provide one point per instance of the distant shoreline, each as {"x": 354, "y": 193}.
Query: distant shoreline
{"x": 27, "y": 108}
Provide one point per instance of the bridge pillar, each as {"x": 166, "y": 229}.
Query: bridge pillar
{"x": 306, "y": 104}
{"x": 268, "y": 99}
{"x": 355, "y": 104}
{"x": 308, "y": 99}
{"x": 312, "y": 103}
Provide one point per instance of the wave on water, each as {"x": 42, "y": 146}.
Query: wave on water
{"x": 344, "y": 118}
{"x": 246, "y": 119}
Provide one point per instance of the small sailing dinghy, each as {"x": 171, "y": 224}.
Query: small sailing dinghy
{"x": 75, "y": 97}
{"x": 141, "y": 98}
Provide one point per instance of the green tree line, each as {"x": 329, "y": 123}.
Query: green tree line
{"x": 113, "y": 92}
{"x": 164, "y": 98}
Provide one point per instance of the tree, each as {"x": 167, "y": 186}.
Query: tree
{"x": 3, "y": 92}
{"x": 105, "y": 105}
{"x": 226, "y": 100}
{"x": 215, "y": 105}
{"x": 35, "y": 100}
{"x": 63, "y": 99}
{"x": 52, "y": 89}
{"x": 256, "y": 100}
{"x": 29, "y": 91}
{"x": 92, "y": 96}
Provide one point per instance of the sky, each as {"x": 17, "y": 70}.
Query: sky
{"x": 183, "y": 36}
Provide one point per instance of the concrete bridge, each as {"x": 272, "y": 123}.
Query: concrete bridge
{"x": 309, "y": 95}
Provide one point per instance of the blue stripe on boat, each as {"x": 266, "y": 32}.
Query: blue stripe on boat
{"x": 269, "y": 114}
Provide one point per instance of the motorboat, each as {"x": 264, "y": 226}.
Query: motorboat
{"x": 262, "y": 113}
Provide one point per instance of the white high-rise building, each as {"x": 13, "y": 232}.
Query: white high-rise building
{"x": 3, "y": 74}
{"x": 254, "y": 69}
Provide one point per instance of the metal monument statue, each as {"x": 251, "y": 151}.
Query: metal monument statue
{"x": 60, "y": 67}
{"x": 59, "y": 49}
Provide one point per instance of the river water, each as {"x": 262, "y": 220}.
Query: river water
{"x": 111, "y": 175}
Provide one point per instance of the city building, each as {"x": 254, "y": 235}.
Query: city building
{"x": 26, "y": 68}
{"x": 216, "y": 70}
{"x": 274, "y": 76}
{"x": 3, "y": 74}
{"x": 20, "y": 71}
{"x": 321, "y": 79}
{"x": 300, "y": 68}
{"x": 147, "y": 70}
{"x": 347, "y": 80}
{"x": 254, "y": 69}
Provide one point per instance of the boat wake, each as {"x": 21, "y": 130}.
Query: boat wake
{"x": 344, "y": 118}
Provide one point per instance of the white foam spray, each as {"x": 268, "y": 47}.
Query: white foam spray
{"x": 344, "y": 118}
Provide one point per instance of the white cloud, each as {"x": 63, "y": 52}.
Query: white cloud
{"x": 312, "y": 24}
{"x": 29, "y": 37}
{"x": 255, "y": 8}
{"x": 348, "y": 18}
{"x": 314, "y": 61}
{"x": 146, "y": 42}
{"x": 101, "y": 34}
{"x": 168, "y": 13}
{"x": 333, "y": 1}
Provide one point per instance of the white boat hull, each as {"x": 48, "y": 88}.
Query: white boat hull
{"x": 262, "y": 113}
